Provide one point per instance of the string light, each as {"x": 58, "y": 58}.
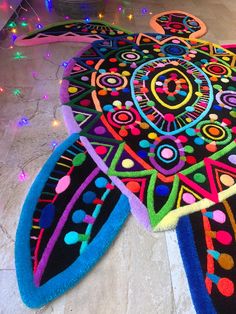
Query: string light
{"x": 24, "y": 121}
{"x": 130, "y": 16}
{"x": 22, "y": 176}
{"x": 24, "y": 24}
{"x": 39, "y": 26}
{"x": 16, "y": 92}
{"x": 100, "y": 15}
{"x": 55, "y": 123}
{"x": 19, "y": 55}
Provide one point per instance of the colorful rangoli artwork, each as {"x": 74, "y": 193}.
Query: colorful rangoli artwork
{"x": 152, "y": 124}
{"x": 178, "y": 23}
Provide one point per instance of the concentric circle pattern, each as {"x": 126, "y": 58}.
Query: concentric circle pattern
{"x": 156, "y": 109}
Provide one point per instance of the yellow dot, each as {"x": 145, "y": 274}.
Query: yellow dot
{"x": 125, "y": 73}
{"x": 227, "y": 180}
{"x": 152, "y": 136}
{"x": 130, "y": 38}
{"x": 188, "y": 119}
{"x": 199, "y": 94}
{"x": 127, "y": 163}
{"x": 157, "y": 50}
{"x": 213, "y": 116}
{"x": 122, "y": 64}
{"x": 72, "y": 90}
{"x": 226, "y": 58}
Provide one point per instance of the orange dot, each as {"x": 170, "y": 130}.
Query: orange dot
{"x": 146, "y": 40}
{"x": 150, "y": 117}
{"x": 214, "y": 79}
{"x": 102, "y": 92}
{"x": 214, "y": 131}
{"x": 144, "y": 90}
{"x": 123, "y": 117}
{"x": 133, "y": 186}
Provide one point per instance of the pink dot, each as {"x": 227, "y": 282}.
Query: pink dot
{"x": 188, "y": 198}
{"x": 114, "y": 93}
{"x": 85, "y": 102}
{"x": 100, "y": 130}
{"x": 167, "y": 153}
{"x": 169, "y": 117}
{"x": 175, "y": 41}
{"x": 224, "y": 237}
{"x": 101, "y": 150}
{"x": 182, "y": 138}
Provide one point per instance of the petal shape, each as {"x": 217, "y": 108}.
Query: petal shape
{"x": 73, "y": 31}
{"x": 63, "y": 233}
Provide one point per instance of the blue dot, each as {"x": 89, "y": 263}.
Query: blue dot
{"x": 198, "y": 141}
{"x": 144, "y": 78}
{"x": 190, "y": 131}
{"x": 102, "y": 71}
{"x": 108, "y": 108}
{"x": 189, "y": 109}
{"x": 217, "y": 107}
{"x": 78, "y": 216}
{"x": 162, "y": 190}
{"x": 101, "y": 182}
{"x": 162, "y": 77}
{"x": 89, "y": 197}
{"x": 182, "y": 93}
{"x": 71, "y": 237}
{"x": 142, "y": 153}
{"x": 126, "y": 90}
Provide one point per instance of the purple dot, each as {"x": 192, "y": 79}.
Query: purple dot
{"x": 99, "y": 130}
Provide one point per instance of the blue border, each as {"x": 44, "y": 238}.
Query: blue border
{"x": 201, "y": 299}
{"x": 36, "y": 297}
{"x": 203, "y": 114}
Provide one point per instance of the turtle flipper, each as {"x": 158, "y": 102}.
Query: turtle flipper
{"x": 70, "y": 217}
{"x": 73, "y": 31}
{"x": 207, "y": 244}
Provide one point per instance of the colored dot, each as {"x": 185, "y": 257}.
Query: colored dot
{"x": 142, "y": 153}
{"x": 101, "y": 182}
{"x": 72, "y": 90}
{"x": 188, "y": 149}
{"x": 85, "y": 102}
{"x": 169, "y": 117}
{"x": 71, "y": 237}
{"x": 144, "y": 125}
{"x": 214, "y": 131}
{"x": 188, "y": 198}
{"x": 167, "y": 153}
{"x": 213, "y": 116}
{"x": 198, "y": 141}
{"x": 190, "y": 131}
{"x": 117, "y": 103}
{"x": 133, "y": 186}
{"x": 79, "y": 117}
{"x": 199, "y": 177}
{"x": 191, "y": 160}
{"x": 78, "y": 216}
{"x": 189, "y": 109}
{"x": 162, "y": 190}
{"x": 227, "y": 180}
{"x": 84, "y": 78}
{"x": 102, "y": 92}
{"x": 89, "y": 197}
{"x": 199, "y": 94}
{"x": 100, "y": 130}
{"x": 101, "y": 150}
{"x": 89, "y": 62}
{"x": 151, "y": 103}
{"x": 226, "y": 287}
{"x": 232, "y": 159}
{"x": 125, "y": 73}
{"x": 144, "y": 144}
{"x": 127, "y": 163}
{"x": 113, "y": 60}
{"x": 152, "y": 135}
{"x": 224, "y": 80}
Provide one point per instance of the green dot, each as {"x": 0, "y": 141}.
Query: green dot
{"x": 233, "y": 114}
{"x": 231, "y": 88}
{"x": 218, "y": 87}
{"x": 79, "y": 117}
{"x": 78, "y": 159}
{"x": 189, "y": 149}
{"x": 151, "y": 103}
{"x": 199, "y": 177}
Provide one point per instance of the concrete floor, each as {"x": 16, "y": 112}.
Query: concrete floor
{"x": 142, "y": 273}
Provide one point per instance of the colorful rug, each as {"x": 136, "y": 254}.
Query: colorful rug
{"x": 178, "y": 23}
{"x": 73, "y": 30}
{"x": 166, "y": 154}
{"x": 207, "y": 245}
{"x": 156, "y": 117}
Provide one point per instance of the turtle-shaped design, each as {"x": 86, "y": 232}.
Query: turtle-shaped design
{"x": 152, "y": 124}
